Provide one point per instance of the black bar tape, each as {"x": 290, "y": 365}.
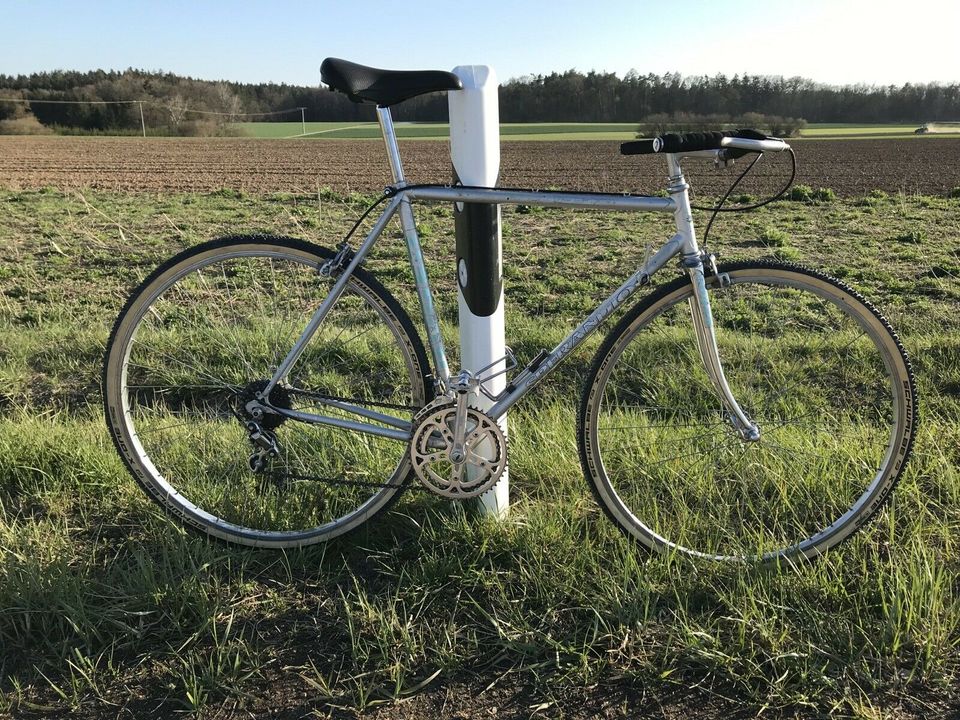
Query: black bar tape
{"x": 640, "y": 147}
{"x": 689, "y": 142}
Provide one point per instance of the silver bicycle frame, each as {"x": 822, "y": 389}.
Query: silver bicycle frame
{"x": 683, "y": 243}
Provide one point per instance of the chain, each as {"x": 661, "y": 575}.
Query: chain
{"x": 280, "y": 477}
{"x": 340, "y": 481}
{"x": 355, "y": 401}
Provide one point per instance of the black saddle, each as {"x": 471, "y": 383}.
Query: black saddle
{"x": 383, "y": 87}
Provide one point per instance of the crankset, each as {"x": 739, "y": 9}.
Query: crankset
{"x": 457, "y": 451}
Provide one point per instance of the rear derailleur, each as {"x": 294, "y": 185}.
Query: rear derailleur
{"x": 261, "y": 419}
{"x": 264, "y": 444}
{"x": 265, "y": 449}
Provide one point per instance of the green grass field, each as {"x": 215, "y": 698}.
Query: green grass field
{"x": 548, "y": 131}
{"x": 109, "y": 608}
{"x": 440, "y": 131}
{"x": 853, "y": 131}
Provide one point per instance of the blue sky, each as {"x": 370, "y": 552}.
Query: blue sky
{"x": 844, "y": 41}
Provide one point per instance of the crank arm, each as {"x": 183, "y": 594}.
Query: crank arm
{"x": 457, "y": 453}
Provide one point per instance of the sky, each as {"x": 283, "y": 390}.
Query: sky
{"x": 839, "y": 42}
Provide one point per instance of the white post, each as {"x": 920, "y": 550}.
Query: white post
{"x": 475, "y": 152}
{"x": 303, "y": 122}
{"x": 143, "y": 125}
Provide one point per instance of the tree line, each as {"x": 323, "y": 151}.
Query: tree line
{"x": 184, "y": 105}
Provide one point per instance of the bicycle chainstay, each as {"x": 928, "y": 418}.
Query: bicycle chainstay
{"x": 353, "y": 401}
{"x": 278, "y": 477}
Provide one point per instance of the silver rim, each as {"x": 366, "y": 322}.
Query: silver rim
{"x": 814, "y": 367}
{"x": 204, "y": 332}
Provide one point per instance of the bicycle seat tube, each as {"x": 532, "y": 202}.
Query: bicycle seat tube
{"x": 414, "y": 251}
{"x": 700, "y": 311}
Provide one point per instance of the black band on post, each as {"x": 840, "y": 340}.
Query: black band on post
{"x": 479, "y": 273}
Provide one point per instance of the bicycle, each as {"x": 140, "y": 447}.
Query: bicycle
{"x": 270, "y": 392}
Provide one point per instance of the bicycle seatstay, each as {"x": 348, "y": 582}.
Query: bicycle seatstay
{"x": 335, "y": 292}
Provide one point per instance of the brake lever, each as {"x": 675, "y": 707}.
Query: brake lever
{"x": 725, "y": 158}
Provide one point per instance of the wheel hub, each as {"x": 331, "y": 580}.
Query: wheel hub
{"x": 279, "y": 398}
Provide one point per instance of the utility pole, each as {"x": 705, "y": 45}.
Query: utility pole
{"x": 475, "y": 154}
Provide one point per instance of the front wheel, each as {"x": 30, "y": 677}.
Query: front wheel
{"x": 200, "y": 339}
{"x": 814, "y": 365}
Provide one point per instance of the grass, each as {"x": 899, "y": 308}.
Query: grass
{"x": 854, "y": 131}
{"x": 848, "y": 130}
{"x": 106, "y": 606}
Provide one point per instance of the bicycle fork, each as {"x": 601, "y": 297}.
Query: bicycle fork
{"x": 702, "y": 317}
{"x": 694, "y": 261}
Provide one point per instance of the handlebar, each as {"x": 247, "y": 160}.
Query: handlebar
{"x": 736, "y": 142}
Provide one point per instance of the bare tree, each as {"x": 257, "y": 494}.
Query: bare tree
{"x": 177, "y": 107}
{"x": 228, "y": 101}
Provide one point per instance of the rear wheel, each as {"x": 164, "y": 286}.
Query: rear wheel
{"x": 202, "y": 336}
{"x": 814, "y": 365}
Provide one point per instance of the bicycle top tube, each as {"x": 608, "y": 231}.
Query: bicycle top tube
{"x": 540, "y": 198}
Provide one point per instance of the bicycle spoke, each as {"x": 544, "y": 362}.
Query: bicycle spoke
{"x": 188, "y": 366}
{"x": 663, "y": 425}
{"x": 209, "y": 332}
{"x": 800, "y": 362}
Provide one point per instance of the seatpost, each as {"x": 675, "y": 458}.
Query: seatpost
{"x": 390, "y": 139}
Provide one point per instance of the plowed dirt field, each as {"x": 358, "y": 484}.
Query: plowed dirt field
{"x": 849, "y": 167}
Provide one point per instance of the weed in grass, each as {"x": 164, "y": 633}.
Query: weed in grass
{"x": 527, "y": 209}
{"x": 943, "y": 270}
{"x": 772, "y": 236}
{"x": 228, "y": 193}
{"x": 805, "y": 193}
{"x": 208, "y": 673}
{"x": 912, "y": 237}
{"x": 787, "y": 254}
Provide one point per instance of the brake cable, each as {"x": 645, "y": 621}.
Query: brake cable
{"x": 718, "y": 208}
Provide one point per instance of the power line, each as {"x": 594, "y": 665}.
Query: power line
{"x": 74, "y": 102}
{"x": 215, "y": 112}
{"x": 155, "y": 104}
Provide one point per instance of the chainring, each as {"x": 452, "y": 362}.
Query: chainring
{"x": 485, "y": 446}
